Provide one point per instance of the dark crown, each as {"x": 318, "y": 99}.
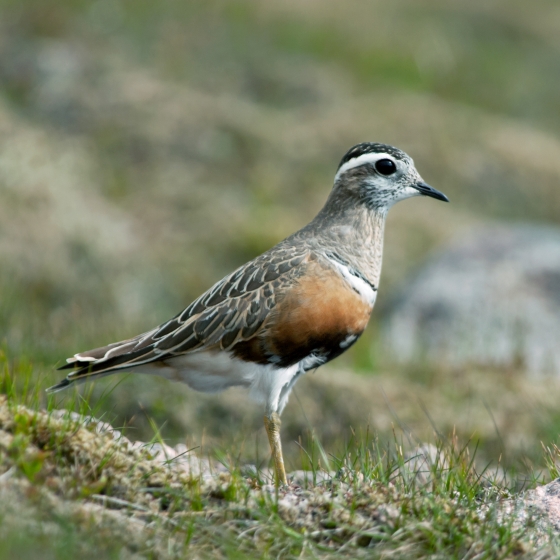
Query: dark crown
{"x": 370, "y": 148}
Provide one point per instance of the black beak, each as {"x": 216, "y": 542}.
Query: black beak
{"x": 426, "y": 190}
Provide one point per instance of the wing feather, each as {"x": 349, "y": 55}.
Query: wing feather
{"x": 233, "y": 310}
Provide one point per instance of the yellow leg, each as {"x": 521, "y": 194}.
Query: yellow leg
{"x": 272, "y": 424}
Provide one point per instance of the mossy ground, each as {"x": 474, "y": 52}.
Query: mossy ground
{"x": 69, "y": 485}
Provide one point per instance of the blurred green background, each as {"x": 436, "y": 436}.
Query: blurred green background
{"x": 148, "y": 148}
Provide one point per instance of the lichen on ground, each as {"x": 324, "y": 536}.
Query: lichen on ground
{"x": 62, "y": 474}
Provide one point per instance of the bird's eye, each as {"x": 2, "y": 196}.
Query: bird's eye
{"x": 385, "y": 166}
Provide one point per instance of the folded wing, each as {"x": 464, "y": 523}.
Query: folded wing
{"x": 232, "y": 311}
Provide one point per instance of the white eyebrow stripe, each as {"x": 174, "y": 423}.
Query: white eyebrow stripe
{"x": 361, "y": 160}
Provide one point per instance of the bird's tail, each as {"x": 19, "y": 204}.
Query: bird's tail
{"x": 59, "y": 386}
{"x": 81, "y": 376}
{"x": 107, "y": 360}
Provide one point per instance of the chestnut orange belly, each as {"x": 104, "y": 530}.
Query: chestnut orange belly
{"x": 321, "y": 314}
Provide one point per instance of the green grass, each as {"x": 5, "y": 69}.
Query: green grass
{"x": 371, "y": 499}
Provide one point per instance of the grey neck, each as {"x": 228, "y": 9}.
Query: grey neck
{"x": 354, "y": 232}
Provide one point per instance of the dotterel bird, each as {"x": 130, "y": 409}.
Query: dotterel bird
{"x": 290, "y": 310}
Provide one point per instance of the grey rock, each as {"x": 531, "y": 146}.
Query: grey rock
{"x": 491, "y": 298}
{"x": 544, "y": 503}
{"x": 536, "y": 513}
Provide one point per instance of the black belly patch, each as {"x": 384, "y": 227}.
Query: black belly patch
{"x": 319, "y": 356}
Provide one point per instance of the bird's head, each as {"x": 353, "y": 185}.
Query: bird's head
{"x": 380, "y": 175}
